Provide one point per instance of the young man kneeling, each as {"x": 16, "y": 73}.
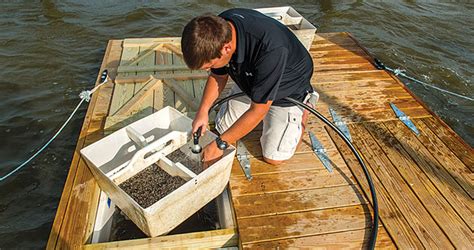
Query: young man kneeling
{"x": 267, "y": 62}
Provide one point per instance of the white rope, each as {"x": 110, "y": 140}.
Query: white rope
{"x": 85, "y": 96}
{"x": 399, "y": 72}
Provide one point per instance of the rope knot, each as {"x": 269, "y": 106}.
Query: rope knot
{"x": 398, "y": 71}
{"x": 86, "y": 95}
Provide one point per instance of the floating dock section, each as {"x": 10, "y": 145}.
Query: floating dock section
{"x": 424, "y": 183}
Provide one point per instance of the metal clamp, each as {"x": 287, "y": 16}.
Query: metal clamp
{"x": 405, "y": 119}
{"x": 320, "y": 151}
{"x": 243, "y": 158}
{"x": 340, "y": 124}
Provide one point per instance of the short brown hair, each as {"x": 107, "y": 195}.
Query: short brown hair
{"x": 203, "y": 38}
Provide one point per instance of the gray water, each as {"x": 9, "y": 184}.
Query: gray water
{"x": 52, "y": 50}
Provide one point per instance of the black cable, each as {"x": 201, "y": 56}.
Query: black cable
{"x": 375, "y": 224}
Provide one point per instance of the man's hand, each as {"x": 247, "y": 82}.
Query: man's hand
{"x": 201, "y": 120}
{"x": 211, "y": 154}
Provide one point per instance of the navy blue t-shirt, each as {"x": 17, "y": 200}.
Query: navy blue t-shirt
{"x": 269, "y": 63}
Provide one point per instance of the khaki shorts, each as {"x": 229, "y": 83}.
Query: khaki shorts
{"x": 281, "y": 126}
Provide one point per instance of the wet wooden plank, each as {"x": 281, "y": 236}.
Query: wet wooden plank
{"x": 289, "y": 181}
{"x": 403, "y": 178}
{"x": 297, "y": 201}
{"x": 393, "y": 220}
{"x": 349, "y": 76}
{"x": 287, "y": 226}
{"x": 299, "y": 162}
{"x": 356, "y": 239}
{"x": 443, "y": 154}
{"x": 436, "y": 171}
{"x": 330, "y": 87}
{"x": 74, "y": 218}
{"x": 460, "y": 148}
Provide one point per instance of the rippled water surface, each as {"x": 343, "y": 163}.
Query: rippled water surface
{"x": 51, "y": 50}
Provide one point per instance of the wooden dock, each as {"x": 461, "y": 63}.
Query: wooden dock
{"x": 424, "y": 183}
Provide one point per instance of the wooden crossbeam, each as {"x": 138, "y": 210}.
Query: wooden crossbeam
{"x": 147, "y": 89}
{"x": 132, "y": 69}
{"x": 147, "y": 52}
{"x": 176, "y": 76}
{"x": 174, "y": 49}
{"x": 175, "y": 86}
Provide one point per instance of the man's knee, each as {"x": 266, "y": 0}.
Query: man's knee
{"x": 273, "y": 162}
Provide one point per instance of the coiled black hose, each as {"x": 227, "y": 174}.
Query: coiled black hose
{"x": 375, "y": 224}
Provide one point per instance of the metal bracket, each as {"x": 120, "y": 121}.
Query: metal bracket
{"x": 340, "y": 124}
{"x": 243, "y": 158}
{"x": 320, "y": 152}
{"x": 405, "y": 119}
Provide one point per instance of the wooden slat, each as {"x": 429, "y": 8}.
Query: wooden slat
{"x": 287, "y": 226}
{"x": 139, "y": 100}
{"x": 349, "y": 76}
{"x": 289, "y": 181}
{"x": 165, "y": 96}
{"x": 299, "y": 162}
{"x": 199, "y": 240}
{"x": 185, "y": 98}
{"x": 122, "y": 93}
{"x": 443, "y": 154}
{"x": 437, "y": 173}
{"x": 146, "y": 103}
{"x": 463, "y": 151}
{"x": 160, "y": 75}
{"x": 297, "y": 201}
{"x": 404, "y": 179}
{"x": 392, "y": 218}
{"x": 73, "y": 223}
{"x": 356, "y": 239}
{"x": 131, "y": 69}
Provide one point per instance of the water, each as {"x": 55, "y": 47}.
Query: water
{"x": 50, "y": 51}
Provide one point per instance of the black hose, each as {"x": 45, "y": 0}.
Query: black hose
{"x": 375, "y": 224}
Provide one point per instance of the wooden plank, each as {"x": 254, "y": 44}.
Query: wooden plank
{"x": 329, "y": 87}
{"x": 299, "y": 162}
{"x": 437, "y": 173}
{"x": 349, "y": 76}
{"x": 208, "y": 239}
{"x": 287, "y": 226}
{"x": 136, "y": 42}
{"x": 131, "y": 69}
{"x": 159, "y": 75}
{"x": 463, "y": 151}
{"x": 137, "y": 101}
{"x": 145, "y": 104}
{"x": 443, "y": 154}
{"x": 390, "y": 215}
{"x": 297, "y": 201}
{"x": 397, "y": 170}
{"x": 175, "y": 48}
{"x": 184, "y": 96}
{"x": 355, "y": 239}
{"x": 356, "y": 53}
{"x": 289, "y": 181}
{"x": 122, "y": 93}
{"x": 165, "y": 96}
{"x": 78, "y": 212}
{"x": 184, "y": 90}
{"x": 144, "y": 53}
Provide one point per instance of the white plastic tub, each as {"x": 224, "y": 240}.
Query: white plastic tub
{"x": 303, "y": 29}
{"x": 126, "y": 152}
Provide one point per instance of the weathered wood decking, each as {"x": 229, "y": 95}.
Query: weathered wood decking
{"x": 424, "y": 184}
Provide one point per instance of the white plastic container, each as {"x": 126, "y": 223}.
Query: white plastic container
{"x": 303, "y": 29}
{"x": 126, "y": 152}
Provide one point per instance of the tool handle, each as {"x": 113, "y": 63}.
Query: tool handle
{"x": 196, "y": 136}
